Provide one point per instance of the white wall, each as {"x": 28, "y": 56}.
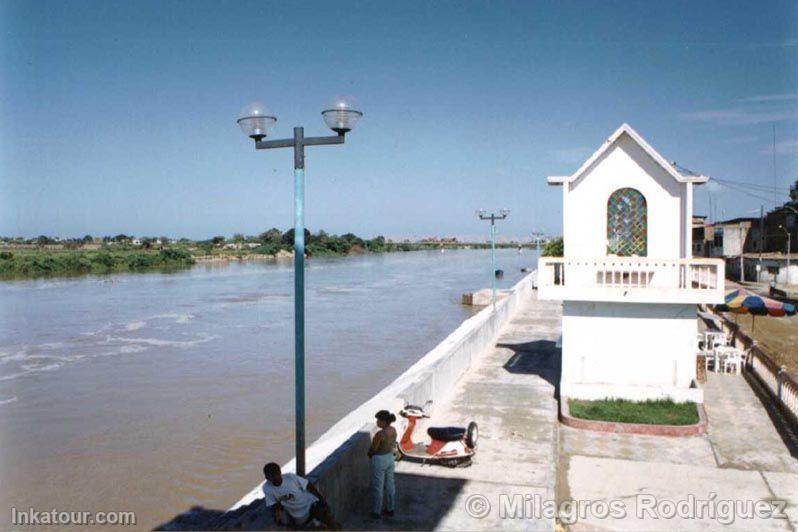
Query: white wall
{"x": 625, "y": 164}
{"x": 632, "y": 351}
{"x": 765, "y": 276}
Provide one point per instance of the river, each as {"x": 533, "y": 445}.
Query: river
{"x": 156, "y": 392}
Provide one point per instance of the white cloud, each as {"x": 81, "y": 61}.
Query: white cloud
{"x": 771, "y": 97}
{"x": 750, "y": 110}
{"x": 713, "y": 186}
{"x": 741, "y": 116}
{"x": 783, "y": 147}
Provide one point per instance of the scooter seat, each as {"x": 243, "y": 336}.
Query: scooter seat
{"x": 446, "y": 433}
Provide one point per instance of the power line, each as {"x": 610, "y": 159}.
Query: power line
{"x": 764, "y": 188}
{"x": 741, "y": 190}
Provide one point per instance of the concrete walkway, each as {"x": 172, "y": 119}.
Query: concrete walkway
{"x": 511, "y": 395}
{"x": 742, "y": 458}
{"x": 524, "y": 455}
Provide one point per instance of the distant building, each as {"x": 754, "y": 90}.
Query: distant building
{"x": 727, "y": 238}
{"x": 760, "y": 242}
{"x": 628, "y": 281}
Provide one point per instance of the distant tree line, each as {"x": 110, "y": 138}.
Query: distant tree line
{"x": 70, "y": 262}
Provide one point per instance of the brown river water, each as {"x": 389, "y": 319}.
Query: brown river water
{"x": 156, "y": 392}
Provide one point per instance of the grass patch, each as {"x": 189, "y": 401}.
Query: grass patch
{"x": 659, "y": 412}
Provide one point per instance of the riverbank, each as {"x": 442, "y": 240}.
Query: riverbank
{"x": 31, "y": 263}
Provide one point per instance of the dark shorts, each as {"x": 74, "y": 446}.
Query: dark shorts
{"x": 318, "y": 508}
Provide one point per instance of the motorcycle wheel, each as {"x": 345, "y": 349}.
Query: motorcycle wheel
{"x": 472, "y": 435}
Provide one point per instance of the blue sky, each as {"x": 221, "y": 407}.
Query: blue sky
{"x": 120, "y": 116}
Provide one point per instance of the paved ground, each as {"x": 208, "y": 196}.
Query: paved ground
{"x": 742, "y": 458}
{"x": 524, "y": 452}
{"x": 511, "y": 395}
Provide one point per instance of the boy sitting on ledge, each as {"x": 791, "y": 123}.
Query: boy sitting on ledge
{"x": 296, "y": 501}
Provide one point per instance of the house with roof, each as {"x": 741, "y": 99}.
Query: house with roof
{"x": 628, "y": 280}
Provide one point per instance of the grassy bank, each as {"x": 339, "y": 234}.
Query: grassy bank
{"x": 45, "y": 256}
{"x": 41, "y": 263}
{"x": 661, "y": 412}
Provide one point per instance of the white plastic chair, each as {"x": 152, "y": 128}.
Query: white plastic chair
{"x": 710, "y": 359}
{"x": 733, "y": 360}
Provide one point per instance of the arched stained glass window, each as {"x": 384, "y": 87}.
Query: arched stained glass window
{"x": 627, "y": 223}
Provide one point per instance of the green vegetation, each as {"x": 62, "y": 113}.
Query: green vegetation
{"x": 660, "y": 412}
{"x": 49, "y": 256}
{"x": 36, "y": 263}
{"x": 553, "y": 248}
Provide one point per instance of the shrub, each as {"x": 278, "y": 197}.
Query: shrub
{"x": 554, "y": 248}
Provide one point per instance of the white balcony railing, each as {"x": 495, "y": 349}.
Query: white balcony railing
{"x": 631, "y": 279}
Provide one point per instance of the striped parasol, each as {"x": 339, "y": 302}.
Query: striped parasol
{"x": 741, "y": 301}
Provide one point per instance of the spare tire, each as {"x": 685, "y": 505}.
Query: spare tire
{"x": 472, "y": 435}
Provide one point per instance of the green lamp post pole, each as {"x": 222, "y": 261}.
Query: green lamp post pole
{"x": 256, "y": 122}
{"x": 493, "y": 217}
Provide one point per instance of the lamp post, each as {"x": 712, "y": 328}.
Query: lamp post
{"x": 788, "y": 253}
{"x": 493, "y": 217}
{"x": 256, "y": 122}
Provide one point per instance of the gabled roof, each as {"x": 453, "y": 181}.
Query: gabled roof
{"x": 680, "y": 174}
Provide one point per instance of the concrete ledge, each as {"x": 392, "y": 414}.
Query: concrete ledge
{"x": 343, "y": 471}
{"x": 633, "y": 428}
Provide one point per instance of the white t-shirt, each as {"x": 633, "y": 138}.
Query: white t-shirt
{"x": 292, "y": 494}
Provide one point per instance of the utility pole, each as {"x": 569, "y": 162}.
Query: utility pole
{"x": 775, "y": 178}
{"x": 761, "y": 241}
{"x": 742, "y": 252}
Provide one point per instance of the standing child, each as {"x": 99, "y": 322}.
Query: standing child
{"x": 382, "y": 465}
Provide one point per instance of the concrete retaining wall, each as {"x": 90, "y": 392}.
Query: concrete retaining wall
{"x": 337, "y": 460}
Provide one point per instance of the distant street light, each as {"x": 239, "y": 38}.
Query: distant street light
{"x": 341, "y": 115}
{"x": 788, "y": 252}
{"x": 493, "y": 217}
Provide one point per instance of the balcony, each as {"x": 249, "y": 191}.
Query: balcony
{"x": 631, "y": 279}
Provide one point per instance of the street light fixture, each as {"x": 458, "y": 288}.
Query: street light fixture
{"x": 503, "y": 213}
{"x": 256, "y": 122}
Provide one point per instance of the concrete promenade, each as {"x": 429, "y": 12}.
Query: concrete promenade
{"x": 523, "y": 451}
{"x": 742, "y": 458}
{"x": 510, "y": 393}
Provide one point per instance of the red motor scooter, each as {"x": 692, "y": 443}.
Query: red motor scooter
{"x": 449, "y": 446}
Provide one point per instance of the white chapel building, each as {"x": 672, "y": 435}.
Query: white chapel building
{"x": 628, "y": 281}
